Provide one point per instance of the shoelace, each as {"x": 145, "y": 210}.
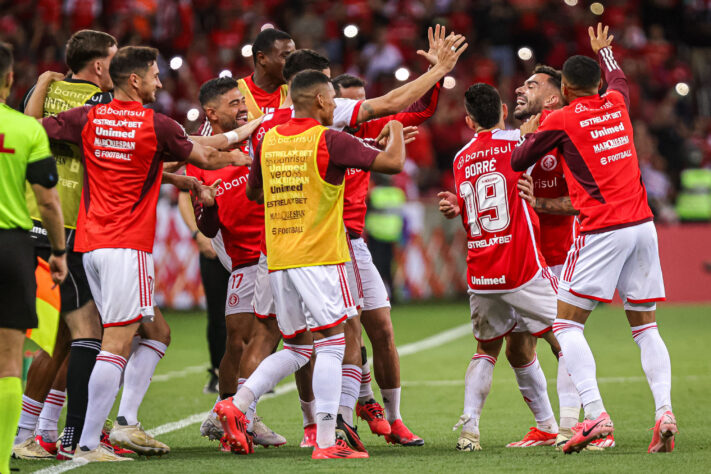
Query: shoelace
{"x": 374, "y": 410}
{"x": 462, "y": 420}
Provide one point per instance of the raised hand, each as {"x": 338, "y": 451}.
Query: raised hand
{"x": 436, "y": 40}
{"x": 600, "y": 39}
{"x": 452, "y": 47}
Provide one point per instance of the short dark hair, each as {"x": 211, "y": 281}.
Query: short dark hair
{"x": 346, "y": 81}
{"x": 6, "y": 58}
{"x": 85, "y": 46}
{"x": 582, "y": 72}
{"x": 215, "y": 88}
{"x": 129, "y": 60}
{"x": 265, "y": 40}
{"x": 303, "y": 59}
{"x": 483, "y": 104}
{"x": 554, "y": 75}
{"x": 306, "y": 80}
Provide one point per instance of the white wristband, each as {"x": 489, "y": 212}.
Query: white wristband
{"x": 232, "y": 137}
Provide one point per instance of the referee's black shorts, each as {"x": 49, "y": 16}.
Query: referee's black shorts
{"x": 18, "y": 288}
{"x": 74, "y": 291}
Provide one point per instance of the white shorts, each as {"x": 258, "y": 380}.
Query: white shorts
{"x": 532, "y": 308}
{"x": 626, "y": 259}
{"x": 313, "y": 298}
{"x": 556, "y": 270}
{"x": 263, "y": 301}
{"x": 121, "y": 282}
{"x": 355, "y": 284}
{"x": 240, "y": 290}
{"x": 374, "y": 293}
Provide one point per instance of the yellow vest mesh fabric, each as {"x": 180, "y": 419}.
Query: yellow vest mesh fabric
{"x": 253, "y": 109}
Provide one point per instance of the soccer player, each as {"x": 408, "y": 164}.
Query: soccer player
{"x": 88, "y": 54}
{"x": 376, "y": 305}
{"x": 239, "y": 222}
{"x": 24, "y": 155}
{"x": 509, "y": 283}
{"x": 123, "y": 146}
{"x": 617, "y": 246}
{"x": 301, "y": 169}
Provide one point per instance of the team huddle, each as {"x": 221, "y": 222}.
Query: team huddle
{"x": 555, "y": 213}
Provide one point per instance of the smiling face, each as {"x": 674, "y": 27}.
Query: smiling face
{"x": 228, "y": 111}
{"x": 148, "y": 84}
{"x": 533, "y": 96}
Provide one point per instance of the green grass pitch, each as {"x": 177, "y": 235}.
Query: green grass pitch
{"x": 432, "y": 397}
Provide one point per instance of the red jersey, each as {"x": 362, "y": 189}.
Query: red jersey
{"x": 357, "y": 180}
{"x": 123, "y": 145}
{"x": 266, "y": 102}
{"x": 502, "y": 229}
{"x": 594, "y": 136}
{"x": 556, "y": 229}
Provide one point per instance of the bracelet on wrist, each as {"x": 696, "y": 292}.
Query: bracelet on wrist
{"x": 195, "y": 234}
{"x": 59, "y": 252}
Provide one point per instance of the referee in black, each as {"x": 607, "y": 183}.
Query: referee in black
{"x": 24, "y": 155}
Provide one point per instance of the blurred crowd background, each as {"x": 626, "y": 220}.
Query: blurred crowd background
{"x": 664, "y": 46}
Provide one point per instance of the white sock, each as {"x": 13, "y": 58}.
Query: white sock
{"x": 580, "y": 363}
{"x": 29, "y": 415}
{"x": 533, "y": 387}
{"x": 240, "y": 382}
{"x": 272, "y": 370}
{"x": 307, "y": 411}
{"x": 391, "y": 402}
{"x": 477, "y": 384}
{"x": 137, "y": 377}
{"x": 366, "y": 391}
{"x": 568, "y": 397}
{"x": 103, "y": 387}
{"x": 350, "y": 384}
{"x": 48, "y": 419}
{"x": 656, "y": 365}
{"x": 327, "y": 386}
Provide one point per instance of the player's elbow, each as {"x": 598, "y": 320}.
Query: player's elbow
{"x": 252, "y": 194}
{"x": 517, "y": 163}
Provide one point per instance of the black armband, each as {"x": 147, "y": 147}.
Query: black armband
{"x": 43, "y": 172}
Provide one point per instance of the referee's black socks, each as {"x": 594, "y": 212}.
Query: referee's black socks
{"x": 82, "y": 357}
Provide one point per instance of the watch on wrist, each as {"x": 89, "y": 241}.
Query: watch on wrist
{"x": 195, "y": 234}
{"x": 59, "y": 252}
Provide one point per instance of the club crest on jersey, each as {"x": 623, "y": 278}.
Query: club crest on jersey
{"x": 580, "y": 108}
{"x": 549, "y": 162}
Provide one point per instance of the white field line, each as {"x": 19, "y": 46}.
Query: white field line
{"x": 603, "y": 380}
{"x": 407, "y": 349}
{"x": 195, "y": 369}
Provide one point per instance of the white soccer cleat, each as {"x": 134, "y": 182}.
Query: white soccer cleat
{"x": 468, "y": 442}
{"x": 265, "y": 436}
{"x": 100, "y": 454}
{"x": 133, "y": 437}
{"x": 211, "y": 428}
{"x": 30, "y": 449}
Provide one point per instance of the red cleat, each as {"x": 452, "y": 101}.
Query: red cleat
{"x": 113, "y": 447}
{"x": 663, "y": 437}
{"x": 399, "y": 434}
{"x": 589, "y": 431}
{"x": 64, "y": 454}
{"x": 602, "y": 443}
{"x": 340, "y": 450}
{"x": 234, "y": 423}
{"x": 51, "y": 448}
{"x": 309, "y": 440}
{"x": 372, "y": 413}
{"x": 534, "y": 437}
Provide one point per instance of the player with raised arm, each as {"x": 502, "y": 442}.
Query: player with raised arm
{"x": 509, "y": 283}
{"x": 617, "y": 246}
{"x": 301, "y": 169}
{"x": 123, "y": 145}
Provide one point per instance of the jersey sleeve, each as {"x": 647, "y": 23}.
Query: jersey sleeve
{"x": 535, "y": 146}
{"x": 346, "y": 151}
{"x": 172, "y": 139}
{"x": 254, "y": 180}
{"x": 346, "y": 113}
{"x": 615, "y": 78}
{"x": 39, "y": 148}
{"x": 67, "y": 126}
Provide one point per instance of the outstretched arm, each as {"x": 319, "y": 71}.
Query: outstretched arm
{"x": 601, "y": 45}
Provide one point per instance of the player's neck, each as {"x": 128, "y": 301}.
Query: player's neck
{"x": 498, "y": 126}
{"x": 88, "y": 76}
{"x": 126, "y": 95}
{"x": 216, "y": 129}
{"x": 265, "y": 82}
{"x": 307, "y": 114}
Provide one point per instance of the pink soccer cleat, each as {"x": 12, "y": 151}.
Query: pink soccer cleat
{"x": 663, "y": 437}
{"x": 589, "y": 430}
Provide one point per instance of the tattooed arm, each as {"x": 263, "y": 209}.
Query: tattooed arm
{"x": 561, "y": 205}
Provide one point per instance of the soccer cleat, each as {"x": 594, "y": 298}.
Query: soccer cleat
{"x": 399, "y": 434}
{"x": 65, "y": 453}
{"x": 340, "y": 450}
{"x": 589, "y": 430}
{"x": 30, "y": 449}
{"x": 100, "y": 454}
{"x": 234, "y": 424}
{"x": 663, "y": 434}
{"x": 48, "y": 446}
{"x": 596, "y": 445}
{"x": 133, "y": 437}
{"x": 602, "y": 443}
{"x": 212, "y": 385}
{"x": 106, "y": 441}
{"x": 211, "y": 427}
{"x": 224, "y": 445}
{"x": 349, "y": 434}
{"x": 265, "y": 436}
{"x": 372, "y": 413}
{"x": 534, "y": 437}
{"x": 309, "y": 440}
{"x": 468, "y": 442}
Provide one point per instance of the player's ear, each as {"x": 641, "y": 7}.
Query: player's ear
{"x": 470, "y": 122}
{"x": 551, "y": 101}
{"x": 211, "y": 114}
{"x": 9, "y": 79}
{"x": 599, "y": 84}
{"x": 504, "y": 111}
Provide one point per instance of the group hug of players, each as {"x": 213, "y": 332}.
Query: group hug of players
{"x": 555, "y": 213}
